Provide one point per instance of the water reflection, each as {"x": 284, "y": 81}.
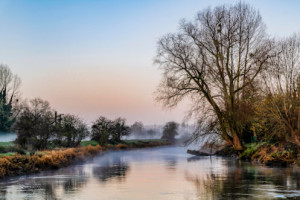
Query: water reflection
{"x": 170, "y": 162}
{"x": 115, "y": 169}
{"x": 46, "y": 185}
{"x": 247, "y": 181}
{"x": 160, "y": 173}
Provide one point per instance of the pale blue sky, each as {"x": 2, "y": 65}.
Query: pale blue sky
{"x": 95, "y": 58}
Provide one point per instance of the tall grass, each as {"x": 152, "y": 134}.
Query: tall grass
{"x": 15, "y": 161}
{"x": 25, "y": 164}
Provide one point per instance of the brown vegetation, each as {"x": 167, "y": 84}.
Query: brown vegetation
{"x": 274, "y": 154}
{"x": 25, "y": 164}
{"x": 53, "y": 159}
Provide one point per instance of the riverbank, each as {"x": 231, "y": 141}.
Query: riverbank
{"x": 22, "y": 162}
{"x": 156, "y": 173}
{"x": 270, "y": 154}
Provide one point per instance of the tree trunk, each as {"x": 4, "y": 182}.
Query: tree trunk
{"x": 237, "y": 144}
{"x": 295, "y": 138}
{"x": 235, "y": 140}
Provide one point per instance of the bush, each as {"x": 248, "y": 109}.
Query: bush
{"x": 121, "y": 146}
{"x": 275, "y": 154}
{"x": 251, "y": 150}
{"x": 69, "y": 131}
{"x": 7, "y": 149}
{"x": 20, "y": 151}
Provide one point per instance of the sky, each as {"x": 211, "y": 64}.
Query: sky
{"x": 95, "y": 58}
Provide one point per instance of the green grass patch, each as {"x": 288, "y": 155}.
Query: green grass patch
{"x": 90, "y": 142}
{"x": 7, "y": 144}
{"x": 7, "y": 154}
{"x": 127, "y": 142}
{"x": 143, "y": 143}
{"x": 250, "y": 150}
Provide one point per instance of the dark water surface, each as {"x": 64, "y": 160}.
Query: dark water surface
{"x": 155, "y": 174}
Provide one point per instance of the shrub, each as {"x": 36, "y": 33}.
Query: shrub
{"x": 121, "y": 146}
{"x": 69, "y": 131}
{"x": 274, "y": 154}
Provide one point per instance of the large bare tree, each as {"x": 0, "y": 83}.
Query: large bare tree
{"x": 215, "y": 60}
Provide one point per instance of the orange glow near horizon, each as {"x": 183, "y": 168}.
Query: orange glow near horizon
{"x": 103, "y": 92}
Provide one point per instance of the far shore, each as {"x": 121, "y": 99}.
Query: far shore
{"x": 15, "y": 161}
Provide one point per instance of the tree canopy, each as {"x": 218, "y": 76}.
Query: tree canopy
{"x": 215, "y": 60}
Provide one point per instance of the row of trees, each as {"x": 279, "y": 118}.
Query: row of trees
{"x": 38, "y": 126}
{"x": 244, "y": 85}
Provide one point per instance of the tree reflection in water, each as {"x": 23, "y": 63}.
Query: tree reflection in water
{"x": 243, "y": 180}
{"x": 111, "y": 169}
{"x": 3, "y": 194}
{"x": 49, "y": 184}
{"x": 162, "y": 173}
{"x": 170, "y": 162}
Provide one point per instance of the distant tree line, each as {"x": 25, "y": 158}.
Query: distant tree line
{"x": 38, "y": 126}
{"x": 138, "y": 130}
{"x": 168, "y": 132}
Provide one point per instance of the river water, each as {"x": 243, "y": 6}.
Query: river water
{"x": 156, "y": 174}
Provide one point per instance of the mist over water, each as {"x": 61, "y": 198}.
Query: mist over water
{"x": 162, "y": 173}
{"x": 156, "y": 131}
{"x": 184, "y": 134}
{"x": 149, "y": 132}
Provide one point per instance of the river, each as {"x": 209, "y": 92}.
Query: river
{"x": 155, "y": 174}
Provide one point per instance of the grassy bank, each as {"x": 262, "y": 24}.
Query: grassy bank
{"x": 269, "y": 154}
{"x": 25, "y": 164}
{"x": 15, "y": 161}
{"x": 272, "y": 154}
{"x": 125, "y": 144}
